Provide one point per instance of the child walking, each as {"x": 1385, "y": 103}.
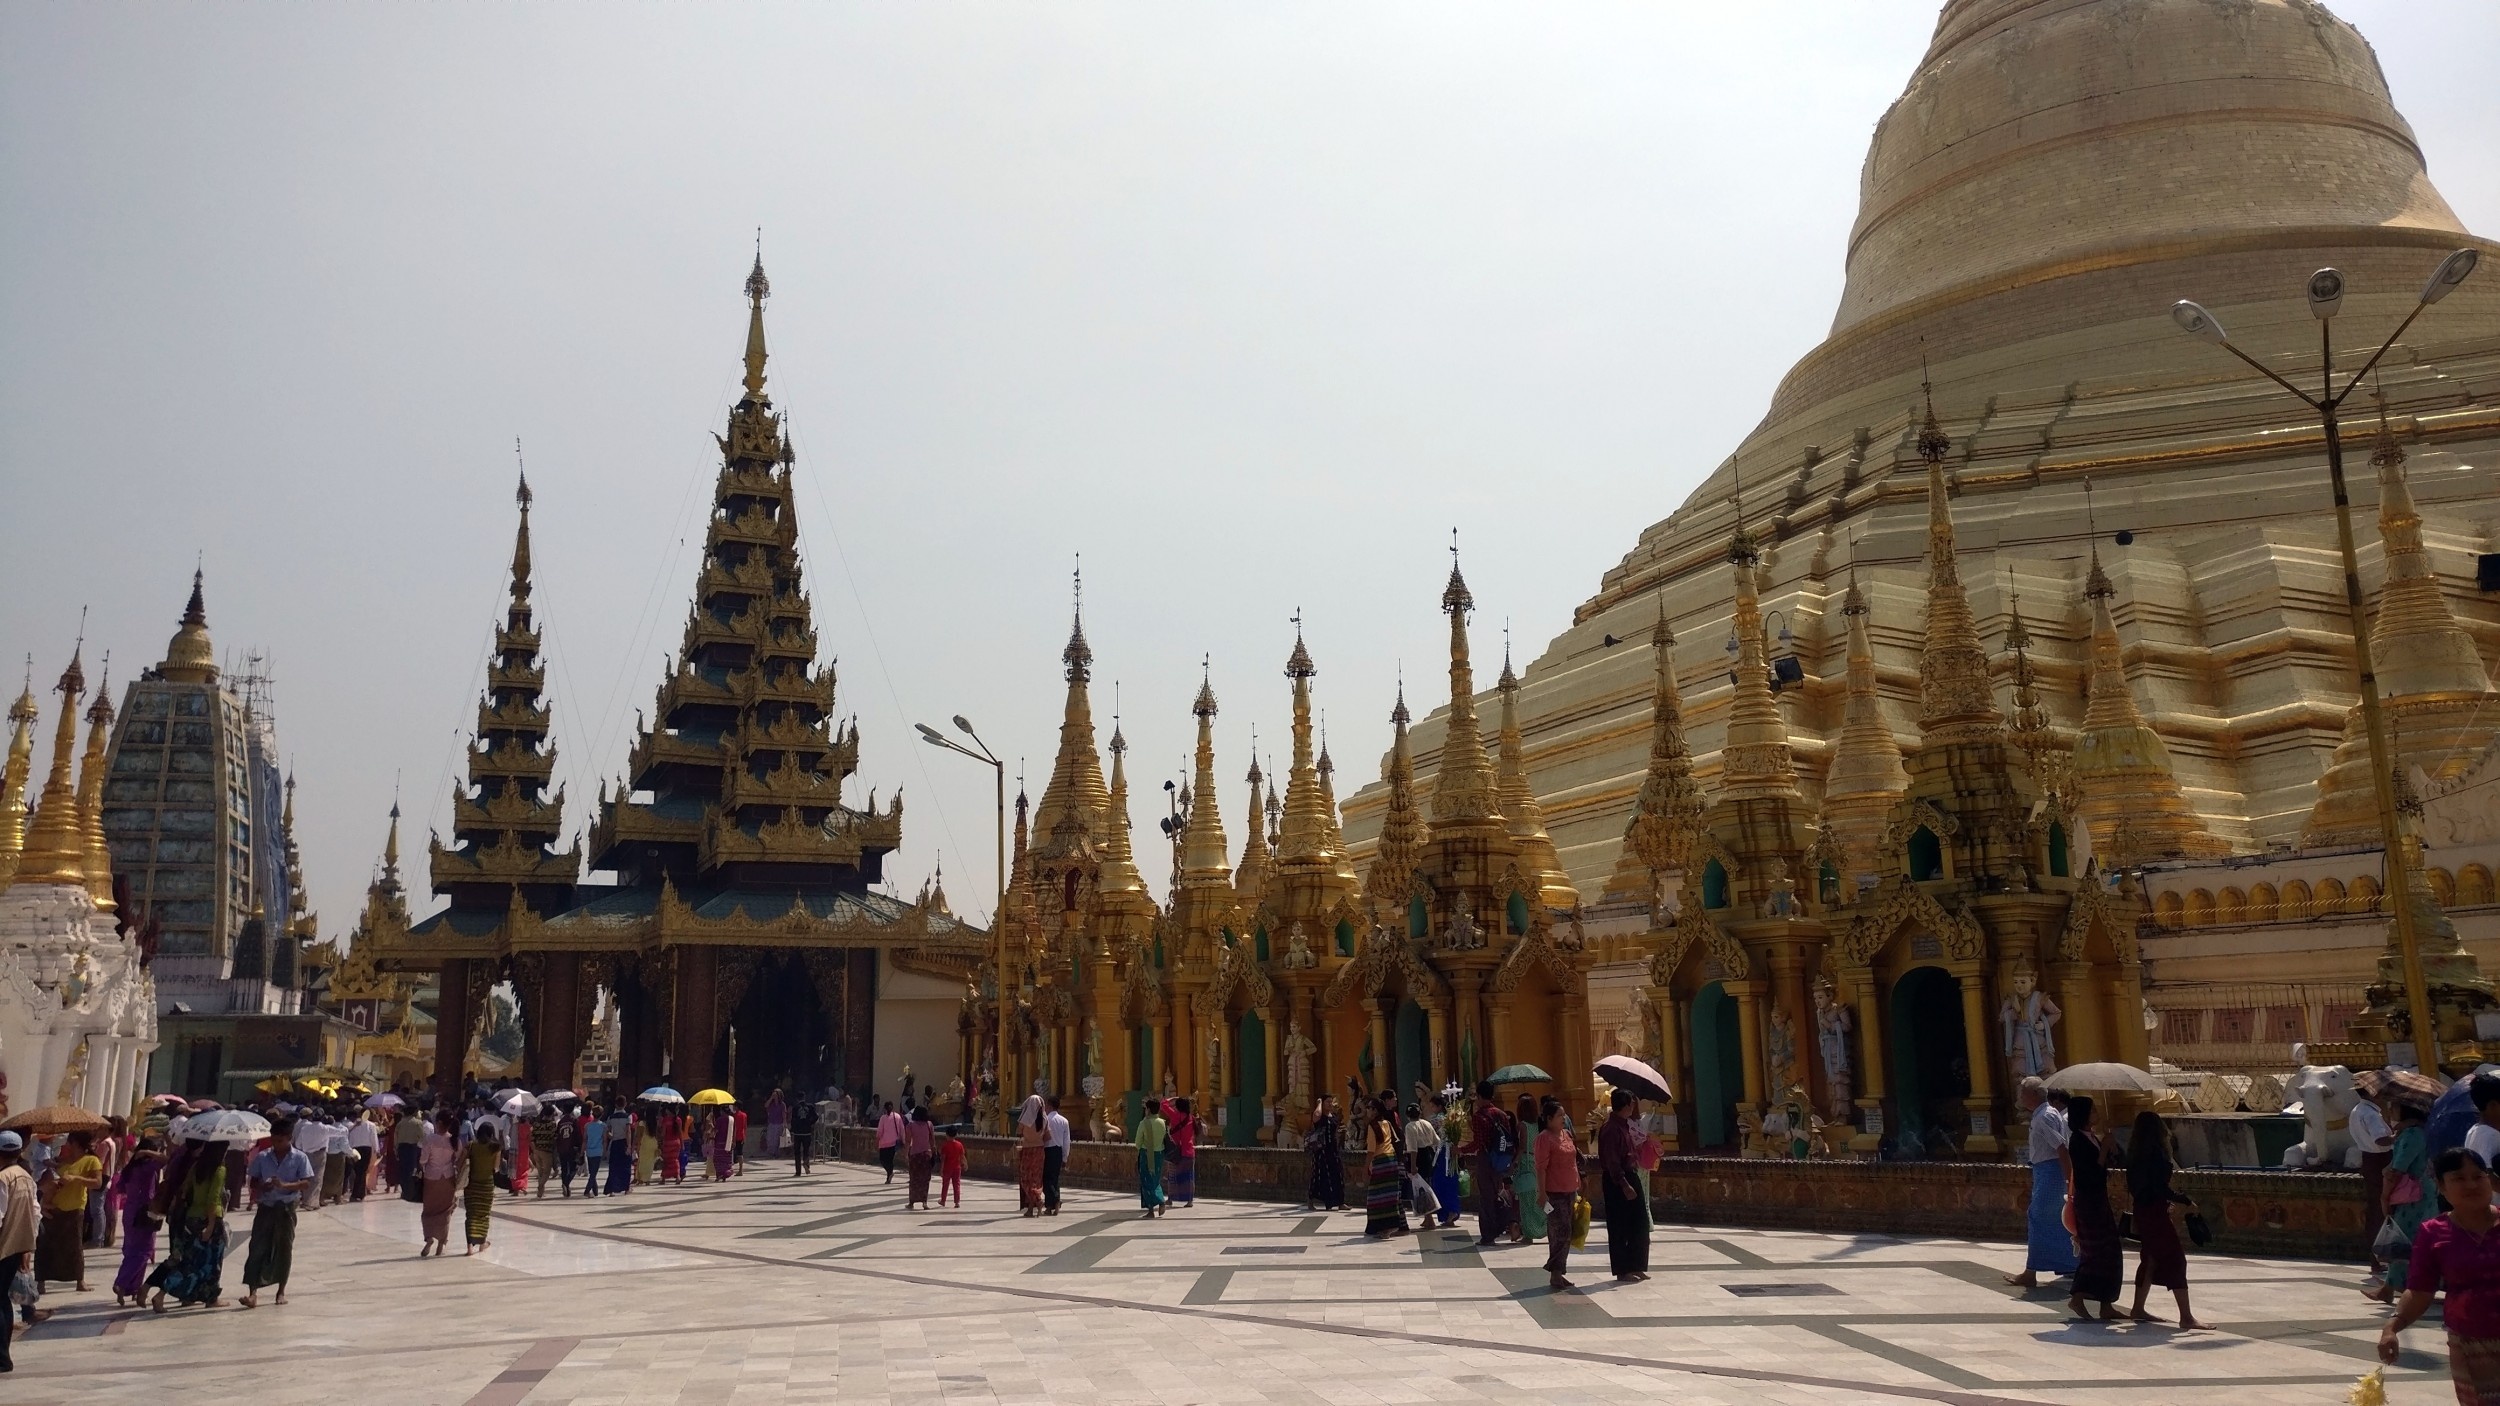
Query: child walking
{"x": 951, "y": 1171}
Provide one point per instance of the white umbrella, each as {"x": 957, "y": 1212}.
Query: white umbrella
{"x": 1625, "y": 1072}
{"x": 384, "y": 1101}
{"x": 233, "y": 1125}
{"x": 520, "y": 1103}
{"x": 2105, "y": 1077}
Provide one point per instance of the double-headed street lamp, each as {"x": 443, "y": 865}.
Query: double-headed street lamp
{"x": 2326, "y": 294}
{"x": 998, "y": 911}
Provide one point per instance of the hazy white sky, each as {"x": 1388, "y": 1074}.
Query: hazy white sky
{"x": 1250, "y": 305}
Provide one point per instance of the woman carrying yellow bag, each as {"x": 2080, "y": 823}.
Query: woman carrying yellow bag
{"x": 1581, "y": 1214}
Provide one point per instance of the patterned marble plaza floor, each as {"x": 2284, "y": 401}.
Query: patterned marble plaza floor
{"x": 774, "y": 1289}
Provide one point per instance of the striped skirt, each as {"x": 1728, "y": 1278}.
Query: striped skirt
{"x": 1381, "y": 1214}
{"x": 2474, "y": 1369}
{"x": 481, "y": 1203}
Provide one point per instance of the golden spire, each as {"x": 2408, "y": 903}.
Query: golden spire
{"x": 2439, "y": 698}
{"x": 1757, "y": 761}
{"x": 1250, "y": 879}
{"x": 189, "y": 658}
{"x": 1332, "y": 830}
{"x": 1119, "y": 874}
{"x": 55, "y": 848}
{"x": 1866, "y": 778}
{"x": 1203, "y": 860}
{"x": 1016, "y": 855}
{"x": 98, "y": 859}
{"x": 2121, "y": 768}
{"x": 1667, "y": 813}
{"x": 1304, "y": 841}
{"x": 758, "y": 289}
{"x": 390, "y": 847}
{"x": 22, "y": 716}
{"x": 1075, "y": 790}
{"x": 1392, "y": 873}
{"x": 1956, "y": 695}
{"x": 1537, "y": 856}
{"x": 1463, "y": 788}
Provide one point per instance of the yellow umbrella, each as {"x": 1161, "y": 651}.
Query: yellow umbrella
{"x": 712, "y": 1098}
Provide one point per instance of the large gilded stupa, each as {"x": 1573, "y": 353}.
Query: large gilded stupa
{"x": 2056, "y": 174}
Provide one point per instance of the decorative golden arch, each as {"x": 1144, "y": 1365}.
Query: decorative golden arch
{"x": 2115, "y": 913}
{"x": 1535, "y": 947}
{"x": 1141, "y": 994}
{"x": 1905, "y": 903}
{"x": 1233, "y": 969}
{"x": 1912, "y": 815}
{"x": 1384, "y": 954}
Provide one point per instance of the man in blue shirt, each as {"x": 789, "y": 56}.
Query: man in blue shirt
{"x": 279, "y": 1175}
{"x": 594, "y": 1151}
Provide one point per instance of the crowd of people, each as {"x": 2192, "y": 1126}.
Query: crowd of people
{"x": 1523, "y": 1169}
{"x": 164, "y": 1192}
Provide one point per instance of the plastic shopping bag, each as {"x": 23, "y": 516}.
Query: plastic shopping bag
{"x": 1580, "y": 1222}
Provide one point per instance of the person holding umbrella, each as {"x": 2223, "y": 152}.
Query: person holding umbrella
{"x": 1618, "y": 1169}
{"x": 17, "y": 1229}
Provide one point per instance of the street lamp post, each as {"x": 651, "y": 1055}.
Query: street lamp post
{"x": 2326, "y": 295}
{"x": 998, "y": 910}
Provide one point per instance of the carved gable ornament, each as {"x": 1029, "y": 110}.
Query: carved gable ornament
{"x": 1906, "y": 905}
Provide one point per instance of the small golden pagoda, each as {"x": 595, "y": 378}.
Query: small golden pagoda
{"x": 2125, "y": 789}
{"x": 13, "y": 808}
{"x": 2436, "y": 694}
{"x": 1866, "y": 780}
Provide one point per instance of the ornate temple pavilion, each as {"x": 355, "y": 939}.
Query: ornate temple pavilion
{"x": 2058, "y": 584}
{"x": 740, "y": 943}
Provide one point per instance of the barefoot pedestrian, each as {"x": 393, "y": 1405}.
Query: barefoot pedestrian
{"x": 280, "y": 1175}
{"x": 2458, "y": 1253}
{"x": 1558, "y": 1177}
{"x": 2099, "y": 1258}
{"x": 2161, "y": 1259}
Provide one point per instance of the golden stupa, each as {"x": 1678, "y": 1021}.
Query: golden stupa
{"x": 2055, "y": 176}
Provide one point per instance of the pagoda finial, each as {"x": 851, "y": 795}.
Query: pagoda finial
{"x": 1464, "y": 789}
{"x": 98, "y": 860}
{"x": 1667, "y": 813}
{"x": 1537, "y": 856}
{"x": 23, "y": 714}
{"x": 758, "y": 289}
{"x": 1392, "y": 875}
{"x": 1303, "y": 829}
{"x": 190, "y": 658}
{"x": 1204, "y": 863}
{"x": 55, "y": 848}
{"x": 1757, "y": 761}
{"x": 521, "y": 496}
{"x": 1956, "y": 693}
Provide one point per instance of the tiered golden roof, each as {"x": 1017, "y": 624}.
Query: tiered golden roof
{"x": 505, "y": 825}
{"x": 1463, "y": 788}
{"x": 1073, "y": 810}
{"x": 2441, "y": 708}
{"x": 741, "y": 759}
{"x": 1258, "y": 860}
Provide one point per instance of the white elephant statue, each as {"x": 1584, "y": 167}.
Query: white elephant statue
{"x": 2326, "y": 1096}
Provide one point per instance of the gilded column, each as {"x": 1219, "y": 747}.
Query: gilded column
{"x": 1748, "y": 996}
{"x": 1438, "y": 1018}
{"x": 1870, "y": 1134}
{"x": 1670, "y": 1056}
{"x": 1381, "y": 1075}
{"x": 1975, "y": 1028}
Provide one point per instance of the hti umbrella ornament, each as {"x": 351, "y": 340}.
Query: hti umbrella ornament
{"x": 1634, "y": 1077}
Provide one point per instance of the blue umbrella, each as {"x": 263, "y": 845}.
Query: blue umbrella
{"x": 2451, "y": 1115}
{"x": 661, "y": 1093}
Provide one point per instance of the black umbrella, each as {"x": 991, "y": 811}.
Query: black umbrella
{"x": 1634, "y": 1077}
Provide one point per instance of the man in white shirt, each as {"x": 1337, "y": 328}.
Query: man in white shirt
{"x": 2052, "y": 1245}
{"x": 314, "y": 1142}
{"x": 1056, "y": 1137}
{"x": 362, "y": 1141}
{"x": 2370, "y": 1133}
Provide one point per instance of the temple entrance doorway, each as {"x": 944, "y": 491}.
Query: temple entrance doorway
{"x": 1243, "y": 1110}
{"x": 779, "y": 1036}
{"x": 1930, "y": 1063}
{"x": 1411, "y": 1045}
{"x": 1718, "y": 1066}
